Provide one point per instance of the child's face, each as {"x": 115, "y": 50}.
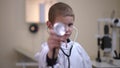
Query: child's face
{"x": 68, "y": 21}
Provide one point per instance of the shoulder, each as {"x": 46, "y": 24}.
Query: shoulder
{"x": 42, "y": 52}
{"x": 44, "y": 44}
{"x": 44, "y": 47}
{"x": 77, "y": 45}
{"x": 80, "y": 49}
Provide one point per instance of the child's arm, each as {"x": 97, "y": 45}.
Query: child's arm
{"x": 43, "y": 58}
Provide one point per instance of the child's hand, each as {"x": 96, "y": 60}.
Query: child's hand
{"x": 53, "y": 42}
{"x": 54, "y": 39}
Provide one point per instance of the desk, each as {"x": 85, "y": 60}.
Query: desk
{"x": 116, "y": 64}
{"x": 28, "y": 55}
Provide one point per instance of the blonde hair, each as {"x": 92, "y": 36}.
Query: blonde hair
{"x": 59, "y": 9}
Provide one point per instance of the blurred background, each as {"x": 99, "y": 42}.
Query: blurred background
{"x": 16, "y": 16}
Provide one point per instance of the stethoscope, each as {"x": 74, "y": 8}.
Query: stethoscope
{"x": 59, "y": 29}
{"x": 68, "y": 55}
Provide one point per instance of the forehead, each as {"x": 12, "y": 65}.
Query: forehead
{"x": 64, "y": 19}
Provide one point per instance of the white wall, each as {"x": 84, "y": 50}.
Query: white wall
{"x": 14, "y": 31}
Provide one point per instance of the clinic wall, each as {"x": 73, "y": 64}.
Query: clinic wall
{"x": 14, "y": 32}
{"x": 86, "y": 14}
{"x": 14, "y": 29}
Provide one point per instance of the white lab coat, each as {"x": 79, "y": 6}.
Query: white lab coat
{"x": 78, "y": 59}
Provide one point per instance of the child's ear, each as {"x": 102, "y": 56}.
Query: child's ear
{"x": 49, "y": 24}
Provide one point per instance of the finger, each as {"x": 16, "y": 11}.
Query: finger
{"x": 54, "y": 35}
{"x": 53, "y": 44}
{"x": 52, "y": 32}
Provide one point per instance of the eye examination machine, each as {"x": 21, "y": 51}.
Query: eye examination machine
{"x": 107, "y": 41}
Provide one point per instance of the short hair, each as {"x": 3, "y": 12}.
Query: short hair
{"x": 59, "y": 9}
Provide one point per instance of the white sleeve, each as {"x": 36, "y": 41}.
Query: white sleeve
{"x": 87, "y": 62}
{"x": 37, "y": 56}
{"x": 41, "y": 56}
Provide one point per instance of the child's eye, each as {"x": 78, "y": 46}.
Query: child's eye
{"x": 70, "y": 24}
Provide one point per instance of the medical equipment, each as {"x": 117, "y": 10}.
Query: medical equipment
{"x": 60, "y": 30}
{"x": 107, "y": 42}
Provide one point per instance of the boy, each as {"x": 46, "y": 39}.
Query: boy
{"x": 67, "y": 54}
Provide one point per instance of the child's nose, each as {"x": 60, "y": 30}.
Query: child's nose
{"x": 67, "y": 28}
